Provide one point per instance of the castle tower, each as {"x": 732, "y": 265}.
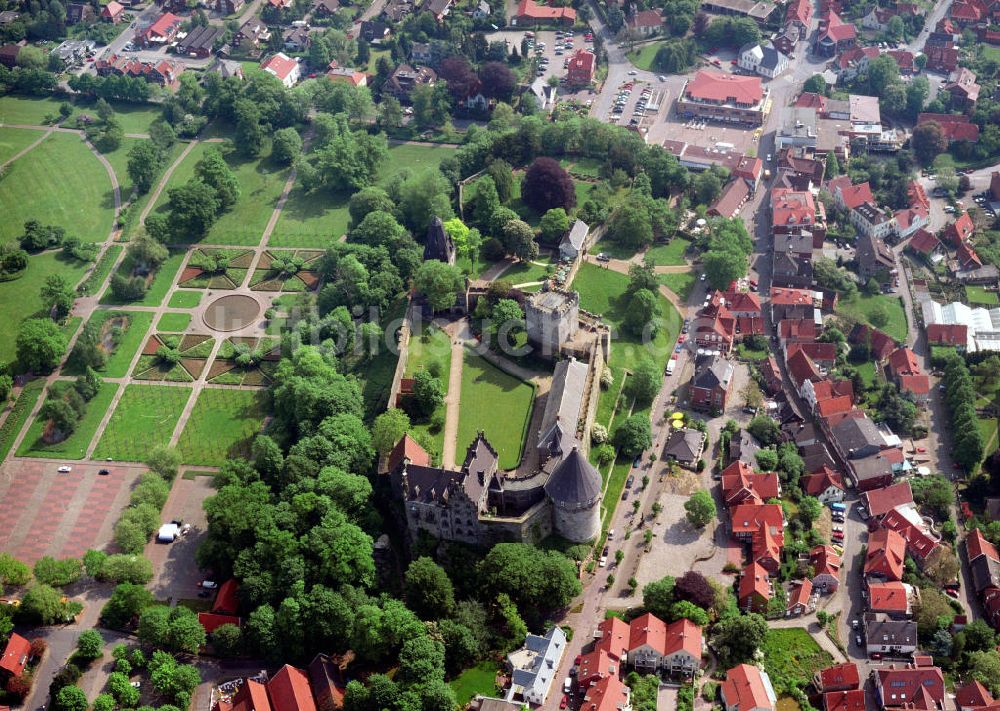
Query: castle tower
{"x": 551, "y": 319}
{"x": 575, "y": 491}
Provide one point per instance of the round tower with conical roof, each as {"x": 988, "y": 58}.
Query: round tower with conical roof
{"x": 575, "y": 491}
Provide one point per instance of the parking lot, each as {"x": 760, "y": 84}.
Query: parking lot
{"x": 638, "y": 104}
{"x": 549, "y": 49}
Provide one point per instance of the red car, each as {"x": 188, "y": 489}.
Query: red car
{"x": 680, "y": 338}
{"x": 564, "y": 702}
{"x": 951, "y": 593}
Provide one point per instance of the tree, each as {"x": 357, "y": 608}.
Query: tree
{"x": 58, "y": 573}
{"x": 738, "y": 638}
{"x": 121, "y": 688}
{"x": 928, "y": 142}
{"x": 554, "y": 224}
{"x": 126, "y": 569}
{"x": 519, "y": 240}
{"x": 503, "y": 180}
{"x": 227, "y": 640}
{"x": 213, "y": 170}
{"x": 810, "y": 509}
{"x": 164, "y": 461}
{"x": 71, "y": 698}
{"x": 286, "y": 145}
{"x": 878, "y": 315}
{"x": 634, "y": 435}
{"x": 932, "y": 612}
{"x": 700, "y": 508}
{"x": 194, "y": 207}
{"x": 429, "y": 591}
{"x": 695, "y": 588}
{"x": 815, "y": 84}
{"x": 644, "y": 382}
{"x": 497, "y": 81}
{"x": 58, "y": 295}
{"x": 631, "y": 225}
{"x": 146, "y": 253}
{"x": 723, "y": 267}
{"x": 765, "y": 430}
{"x": 144, "y": 162}
{"x": 643, "y": 310}
{"x": 42, "y": 604}
{"x": 90, "y": 644}
{"x": 507, "y": 318}
{"x": 767, "y": 459}
{"x": 536, "y": 581}
{"x": 390, "y": 113}
{"x": 41, "y": 344}
{"x": 547, "y": 185}
{"x": 439, "y": 282}
{"x": 388, "y": 429}
{"x": 683, "y": 609}
{"x": 658, "y": 597}
{"x": 984, "y": 667}
{"x": 428, "y": 393}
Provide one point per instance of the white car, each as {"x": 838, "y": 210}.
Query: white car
{"x": 632, "y": 73}
{"x": 65, "y": 469}
{"x": 604, "y": 561}
{"x": 209, "y": 584}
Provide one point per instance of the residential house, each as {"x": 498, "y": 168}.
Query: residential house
{"x": 827, "y": 389}
{"x": 825, "y": 484}
{"x": 162, "y": 32}
{"x": 404, "y": 78}
{"x": 879, "y": 344}
{"x": 8, "y": 55}
{"x": 958, "y": 231}
{"x": 231, "y": 7}
{"x": 872, "y": 221}
{"x": 795, "y": 212}
{"x": 251, "y": 35}
{"x": 346, "y": 75}
{"x": 853, "y": 700}
{"x": 801, "y": 172}
{"x": 762, "y": 59}
{"x": 755, "y": 590}
{"x": 966, "y": 258}
{"x": 685, "y": 447}
{"x": 741, "y": 485}
{"x": 482, "y": 10}
{"x": 826, "y": 564}
{"x": 733, "y": 196}
{"x": 792, "y": 303}
{"x": 613, "y": 635}
{"x": 885, "y": 556}
{"x": 887, "y": 636}
{"x": 791, "y": 260}
{"x": 748, "y": 688}
{"x": 439, "y": 8}
{"x": 840, "y": 677}
{"x": 286, "y": 69}
{"x": 327, "y": 682}
{"x": 834, "y": 35}
{"x": 801, "y": 369}
{"x": 954, "y": 127}
{"x": 712, "y": 383}
{"x": 113, "y": 12}
{"x": 762, "y": 525}
{"x": 926, "y": 245}
{"x": 595, "y": 666}
{"x": 374, "y": 32}
{"x": 743, "y": 447}
{"x": 800, "y": 599}
{"x": 609, "y": 694}
{"x": 963, "y": 89}
{"x": 771, "y": 374}
{"x": 854, "y": 61}
{"x": 296, "y": 39}
{"x": 798, "y": 16}
{"x": 941, "y": 57}
{"x": 909, "y": 687}
{"x": 572, "y": 243}
{"x": 580, "y": 70}
{"x": 910, "y": 221}
{"x": 879, "y": 502}
{"x": 530, "y": 13}
{"x": 892, "y": 598}
{"x": 848, "y": 195}
{"x": 955, "y": 335}
{"x": 8, "y": 17}
{"x": 325, "y": 8}
{"x": 683, "y": 647}
{"x": 647, "y": 642}
{"x": 15, "y": 655}
{"x": 875, "y": 259}
{"x": 795, "y": 331}
{"x": 822, "y": 354}
{"x": 645, "y": 23}
{"x": 902, "y": 367}
{"x": 77, "y": 12}
{"x": 984, "y": 562}
{"x": 534, "y": 666}
{"x": 200, "y": 41}
{"x": 973, "y": 696}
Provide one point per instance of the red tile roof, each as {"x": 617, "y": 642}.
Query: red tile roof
{"x": 911, "y": 686}
{"x": 684, "y": 635}
{"x": 647, "y": 630}
{"x": 742, "y": 302}
{"x": 212, "y": 621}
{"x": 615, "y": 633}
{"x": 888, "y": 597}
{"x": 725, "y": 88}
{"x": 916, "y": 384}
{"x": 917, "y": 195}
{"x": 825, "y": 561}
{"x": 163, "y": 25}
{"x": 919, "y": 545}
{"x": 839, "y": 676}
{"x": 851, "y": 195}
{"x": 833, "y": 405}
{"x": 801, "y": 594}
{"x": 646, "y": 18}
{"x": 252, "y": 696}
{"x": 816, "y": 483}
{"x": 797, "y": 328}
{"x": 853, "y": 700}
{"x": 529, "y": 8}
{"x": 754, "y": 581}
{"x": 408, "y": 448}
{"x": 741, "y": 484}
{"x": 924, "y": 242}
{"x": 15, "y": 654}
{"x": 750, "y": 518}
{"x": 882, "y": 501}
{"x": 744, "y": 689}
{"x": 799, "y": 11}
{"x": 582, "y": 61}
{"x": 948, "y": 334}
{"x": 112, "y": 9}
{"x": 792, "y": 207}
{"x": 881, "y": 343}
{"x": 809, "y": 100}
{"x": 967, "y": 257}
{"x": 977, "y": 545}
{"x": 226, "y": 601}
{"x": 836, "y": 29}
{"x": 289, "y": 690}
{"x": 595, "y": 666}
{"x": 955, "y": 128}
{"x": 609, "y": 694}
{"x": 280, "y": 64}
{"x": 801, "y": 368}
{"x": 960, "y": 230}
{"x": 886, "y": 554}
{"x": 972, "y": 694}
{"x": 819, "y": 352}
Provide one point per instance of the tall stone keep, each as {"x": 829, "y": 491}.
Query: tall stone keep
{"x": 575, "y": 491}
{"x": 552, "y": 318}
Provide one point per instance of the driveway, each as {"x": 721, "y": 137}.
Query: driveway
{"x": 175, "y": 573}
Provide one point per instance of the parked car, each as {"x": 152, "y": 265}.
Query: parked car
{"x": 604, "y": 561}
{"x": 857, "y": 639}
{"x": 104, "y": 472}
{"x": 64, "y": 469}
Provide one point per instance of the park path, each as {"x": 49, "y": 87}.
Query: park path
{"x": 621, "y": 266}
{"x": 497, "y": 270}
{"x": 459, "y": 332}
{"x": 164, "y": 180}
{"x": 26, "y": 149}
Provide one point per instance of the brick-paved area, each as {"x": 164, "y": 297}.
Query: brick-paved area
{"x": 43, "y": 512}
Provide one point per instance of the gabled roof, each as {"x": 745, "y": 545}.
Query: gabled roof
{"x": 289, "y": 690}
{"x": 615, "y": 634}
{"x": 810, "y": 100}
{"x": 840, "y": 676}
{"x": 833, "y": 405}
{"x": 915, "y": 384}
{"x": 891, "y": 596}
{"x": 816, "y": 483}
{"x": 408, "y": 448}
{"x": 684, "y": 444}
{"x": 972, "y": 694}
{"x": 754, "y": 581}
{"x": 800, "y": 593}
{"x": 647, "y": 631}
{"x": 252, "y": 696}
{"x": 609, "y": 694}
{"x": 746, "y": 688}
{"x": 683, "y": 635}
{"x": 967, "y": 257}
{"x": 327, "y": 683}
{"x": 908, "y": 685}
{"x": 960, "y": 230}
{"x": 881, "y": 344}
{"x": 817, "y": 351}
{"x": 835, "y": 29}
{"x": 950, "y": 334}
{"x": 596, "y": 665}
{"x": 741, "y": 484}
{"x": 226, "y": 601}
{"x": 853, "y": 700}
{"x": 919, "y": 544}
{"x": 751, "y": 518}
{"x": 212, "y": 621}
{"x": 955, "y": 128}
{"x": 882, "y": 501}
{"x": 924, "y": 242}
{"x": 281, "y": 65}
{"x": 886, "y": 554}
{"x": 851, "y": 195}
{"x": 801, "y": 368}
{"x": 976, "y": 545}
{"x": 783, "y": 296}
{"x": 15, "y": 654}
{"x": 716, "y": 373}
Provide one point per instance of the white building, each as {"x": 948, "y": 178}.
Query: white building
{"x": 983, "y": 324}
{"x": 286, "y": 69}
{"x": 871, "y": 220}
{"x": 764, "y": 60}
{"x": 534, "y": 666}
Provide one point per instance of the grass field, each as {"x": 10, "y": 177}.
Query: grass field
{"x": 261, "y": 183}
{"x": 158, "y": 288}
{"x": 988, "y": 428}
{"x": 145, "y": 418}
{"x": 222, "y": 426}
{"x": 427, "y": 346}
{"x": 866, "y": 371}
{"x": 643, "y": 57}
{"x": 526, "y": 272}
{"x": 670, "y": 254}
{"x": 74, "y": 446}
{"x": 15, "y": 140}
{"x": 480, "y": 679}
{"x": 19, "y": 415}
{"x": 131, "y": 340}
{"x": 118, "y": 159}
{"x": 497, "y": 403}
{"x": 412, "y": 157}
{"x": 101, "y": 270}
{"x": 20, "y": 298}
{"x": 861, "y": 306}
{"x": 979, "y": 295}
{"x": 791, "y": 653}
{"x": 185, "y": 299}
{"x": 602, "y": 291}
{"x": 63, "y": 184}
{"x": 680, "y": 284}
{"x": 25, "y": 110}
{"x": 174, "y": 323}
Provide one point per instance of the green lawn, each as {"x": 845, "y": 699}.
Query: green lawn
{"x": 63, "y": 184}
{"x": 526, "y": 272}
{"x": 979, "y": 295}
{"x": 680, "y": 284}
{"x": 430, "y": 344}
{"x": 791, "y": 654}
{"x": 860, "y": 306}
{"x": 602, "y": 291}
{"x": 26, "y": 110}
{"x": 413, "y": 157}
{"x": 261, "y": 183}
{"x": 311, "y": 220}
{"x": 134, "y": 118}
{"x": 670, "y": 254}
{"x": 118, "y": 159}
{"x": 20, "y": 298}
{"x": 480, "y": 679}
{"x": 222, "y": 426}
{"x": 185, "y": 299}
{"x": 158, "y": 288}
{"x": 643, "y": 57}
{"x": 18, "y": 415}
{"x": 145, "y": 418}
{"x": 15, "y": 140}
{"x": 988, "y": 428}
{"x": 101, "y": 270}
{"x": 132, "y": 339}
{"x": 74, "y": 446}
{"x": 174, "y": 323}
{"x": 866, "y": 371}
{"x": 497, "y": 403}
{"x": 586, "y": 166}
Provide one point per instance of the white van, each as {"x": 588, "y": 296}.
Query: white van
{"x": 670, "y": 366}
{"x": 567, "y": 685}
